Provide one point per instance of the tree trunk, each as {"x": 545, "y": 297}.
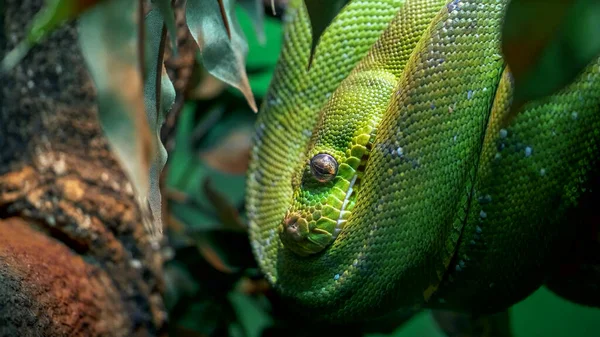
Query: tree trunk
{"x": 74, "y": 257}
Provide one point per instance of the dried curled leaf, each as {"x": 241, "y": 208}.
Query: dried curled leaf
{"x": 108, "y": 35}
{"x": 221, "y": 42}
{"x": 545, "y": 55}
{"x": 159, "y": 96}
{"x": 52, "y": 15}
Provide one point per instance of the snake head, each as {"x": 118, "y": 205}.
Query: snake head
{"x": 322, "y": 204}
{"x": 317, "y": 213}
{"x": 327, "y": 183}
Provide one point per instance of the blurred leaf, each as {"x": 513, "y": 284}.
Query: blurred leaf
{"x": 108, "y": 35}
{"x": 216, "y": 259}
{"x": 256, "y": 11}
{"x": 208, "y": 318}
{"x": 52, "y": 15}
{"x": 321, "y": 13}
{"x": 187, "y": 172}
{"x": 262, "y": 55}
{"x": 228, "y": 252}
{"x": 204, "y": 86}
{"x": 250, "y": 286}
{"x": 222, "y": 46}
{"x": 166, "y": 11}
{"x": 456, "y": 324}
{"x": 159, "y": 95}
{"x": 232, "y": 154}
{"x": 178, "y": 283}
{"x": 547, "y": 43}
{"x": 262, "y": 58}
{"x": 211, "y": 116}
{"x": 227, "y": 213}
{"x": 251, "y": 315}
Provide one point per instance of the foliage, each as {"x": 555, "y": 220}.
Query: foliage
{"x": 222, "y": 45}
{"x": 121, "y": 45}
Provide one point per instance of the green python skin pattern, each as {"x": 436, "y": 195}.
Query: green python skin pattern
{"x": 436, "y": 202}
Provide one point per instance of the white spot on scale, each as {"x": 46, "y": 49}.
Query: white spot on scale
{"x": 528, "y": 151}
{"x": 503, "y": 133}
{"x": 482, "y": 214}
{"x": 485, "y": 199}
{"x": 543, "y": 172}
{"x": 478, "y": 229}
{"x": 574, "y": 115}
{"x": 399, "y": 151}
{"x": 336, "y": 277}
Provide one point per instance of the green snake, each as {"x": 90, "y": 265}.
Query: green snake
{"x": 386, "y": 177}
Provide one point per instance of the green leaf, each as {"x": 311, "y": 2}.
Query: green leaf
{"x": 321, "y": 13}
{"x": 52, "y": 15}
{"x": 547, "y": 43}
{"x": 108, "y": 35}
{"x": 251, "y": 316}
{"x": 168, "y": 15}
{"x": 159, "y": 95}
{"x": 222, "y": 45}
{"x": 256, "y": 11}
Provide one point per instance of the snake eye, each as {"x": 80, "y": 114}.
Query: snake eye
{"x": 323, "y": 167}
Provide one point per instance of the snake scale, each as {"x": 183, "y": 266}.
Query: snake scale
{"x": 385, "y": 177}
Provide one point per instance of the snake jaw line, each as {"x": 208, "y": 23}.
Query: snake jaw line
{"x": 341, "y": 222}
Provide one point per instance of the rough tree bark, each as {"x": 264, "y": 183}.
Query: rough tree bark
{"x": 74, "y": 257}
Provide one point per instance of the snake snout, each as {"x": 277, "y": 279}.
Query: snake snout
{"x": 294, "y": 232}
{"x": 291, "y": 227}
